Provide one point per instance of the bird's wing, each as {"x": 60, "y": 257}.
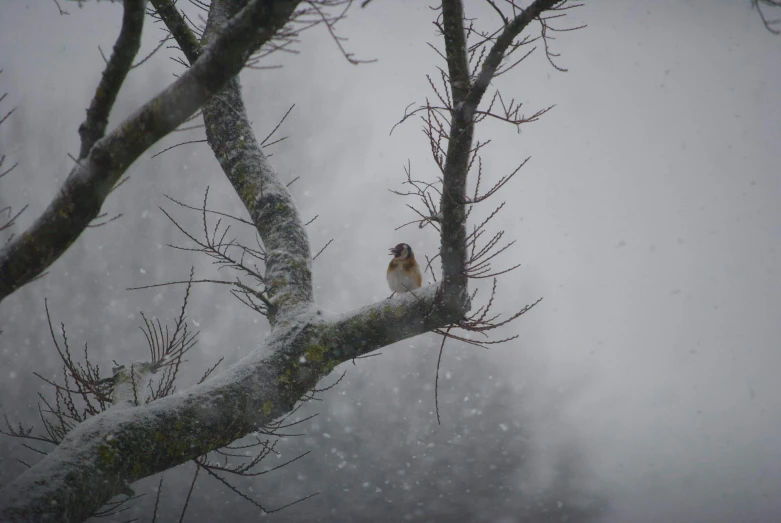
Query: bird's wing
{"x": 417, "y": 276}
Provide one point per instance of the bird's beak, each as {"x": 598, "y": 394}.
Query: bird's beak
{"x": 394, "y": 251}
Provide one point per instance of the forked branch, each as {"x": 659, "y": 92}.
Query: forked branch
{"x": 92, "y": 178}
{"x": 474, "y": 58}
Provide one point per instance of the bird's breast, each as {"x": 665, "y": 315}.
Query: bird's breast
{"x": 403, "y": 277}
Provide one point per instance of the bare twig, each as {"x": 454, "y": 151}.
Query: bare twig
{"x": 190, "y": 492}
{"x": 177, "y": 145}
{"x": 157, "y": 499}
{"x": 770, "y": 24}
{"x": 321, "y": 250}
{"x": 62, "y": 12}
{"x": 11, "y": 216}
{"x": 436, "y": 379}
{"x": 152, "y": 53}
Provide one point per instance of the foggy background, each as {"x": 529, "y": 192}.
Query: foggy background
{"x": 645, "y": 383}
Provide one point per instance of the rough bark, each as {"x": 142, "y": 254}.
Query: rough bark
{"x": 459, "y": 148}
{"x": 92, "y": 178}
{"x": 288, "y": 278}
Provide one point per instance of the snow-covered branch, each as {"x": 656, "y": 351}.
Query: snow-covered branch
{"x": 101, "y": 456}
{"x": 288, "y": 259}
{"x": 92, "y": 178}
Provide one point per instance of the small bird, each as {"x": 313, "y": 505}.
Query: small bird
{"x": 403, "y": 271}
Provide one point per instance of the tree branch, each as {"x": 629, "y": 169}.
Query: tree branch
{"x": 229, "y": 132}
{"x": 125, "y": 50}
{"x": 770, "y": 24}
{"x": 231, "y": 137}
{"x": 466, "y": 98}
{"x": 102, "y": 455}
{"x": 179, "y": 29}
{"x": 92, "y": 178}
{"x": 453, "y": 233}
{"x": 498, "y": 50}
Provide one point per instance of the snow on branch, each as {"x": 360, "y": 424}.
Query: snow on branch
{"x": 287, "y": 256}
{"x": 92, "y": 178}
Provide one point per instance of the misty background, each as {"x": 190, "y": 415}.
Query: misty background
{"x": 643, "y": 388}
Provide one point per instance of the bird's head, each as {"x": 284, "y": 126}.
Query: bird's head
{"x": 401, "y": 250}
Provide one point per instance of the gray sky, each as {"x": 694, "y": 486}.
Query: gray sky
{"x": 648, "y": 219}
